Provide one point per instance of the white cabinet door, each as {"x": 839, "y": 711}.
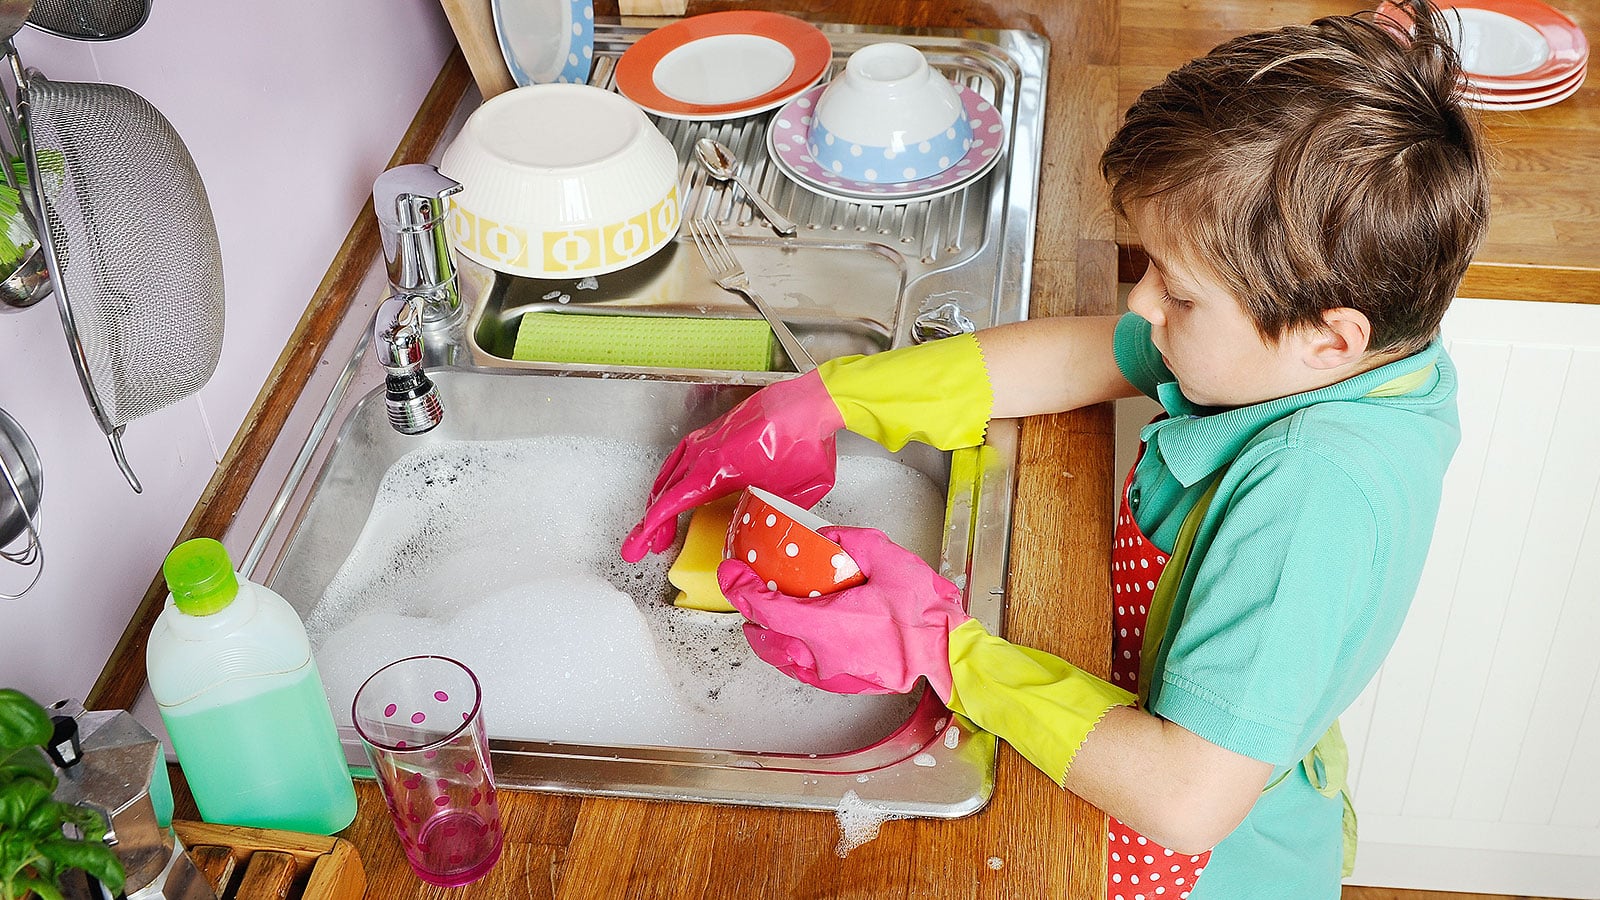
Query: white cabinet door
{"x": 1476, "y": 750}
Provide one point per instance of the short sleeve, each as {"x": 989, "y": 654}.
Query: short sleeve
{"x": 1278, "y": 632}
{"x": 1138, "y": 358}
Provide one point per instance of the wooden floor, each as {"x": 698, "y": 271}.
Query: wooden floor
{"x": 1396, "y": 894}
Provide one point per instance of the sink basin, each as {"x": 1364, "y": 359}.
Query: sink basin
{"x": 371, "y": 588}
{"x": 495, "y": 535}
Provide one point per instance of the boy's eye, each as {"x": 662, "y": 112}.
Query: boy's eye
{"x": 1175, "y": 301}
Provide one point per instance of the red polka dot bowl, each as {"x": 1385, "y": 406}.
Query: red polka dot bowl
{"x": 780, "y": 542}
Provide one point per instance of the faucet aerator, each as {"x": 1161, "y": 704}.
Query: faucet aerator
{"x": 413, "y": 403}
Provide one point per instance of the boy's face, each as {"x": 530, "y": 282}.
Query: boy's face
{"x": 1203, "y": 332}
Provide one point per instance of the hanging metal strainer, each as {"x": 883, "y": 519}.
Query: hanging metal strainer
{"x": 89, "y": 20}
{"x": 132, "y": 244}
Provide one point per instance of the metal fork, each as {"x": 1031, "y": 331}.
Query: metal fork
{"x": 730, "y": 275}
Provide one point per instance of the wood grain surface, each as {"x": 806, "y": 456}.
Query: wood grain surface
{"x": 1033, "y": 840}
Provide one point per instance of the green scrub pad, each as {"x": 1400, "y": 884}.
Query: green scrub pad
{"x": 743, "y": 345}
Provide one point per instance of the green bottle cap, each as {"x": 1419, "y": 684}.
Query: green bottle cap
{"x": 200, "y": 576}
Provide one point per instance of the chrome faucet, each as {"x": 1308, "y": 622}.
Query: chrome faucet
{"x": 411, "y": 202}
{"x": 408, "y": 392}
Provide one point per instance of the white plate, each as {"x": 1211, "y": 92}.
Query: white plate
{"x": 546, "y": 41}
{"x": 723, "y": 68}
{"x": 1515, "y": 106}
{"x": 1495, "y": 44}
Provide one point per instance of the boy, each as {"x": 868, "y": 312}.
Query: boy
{"x": 1309, "y": 199}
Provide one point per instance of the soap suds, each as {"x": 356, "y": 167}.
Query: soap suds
{"x": 859, "y": 822}
{"x": 504, "y": 555}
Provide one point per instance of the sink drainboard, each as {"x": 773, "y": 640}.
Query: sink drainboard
{"x": 963, "y": 258}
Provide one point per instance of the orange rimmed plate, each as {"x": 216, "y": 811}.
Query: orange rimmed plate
{"x": 1516, "y": 101}
{"x": 723, "y": 65}
{"x": 1488, "y": 34}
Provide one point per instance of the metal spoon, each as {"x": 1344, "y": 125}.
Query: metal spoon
{"x": 722, "y": 165}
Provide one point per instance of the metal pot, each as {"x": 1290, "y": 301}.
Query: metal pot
{"x": 21, "y": 487}
{"x": 26, "y": 472}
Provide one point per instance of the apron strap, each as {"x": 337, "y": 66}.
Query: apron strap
{"x": 1160, "y": 612}
{"x": 1327, "y": 767}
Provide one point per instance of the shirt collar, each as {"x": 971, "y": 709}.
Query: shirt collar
{"x": 1194, "y": 442}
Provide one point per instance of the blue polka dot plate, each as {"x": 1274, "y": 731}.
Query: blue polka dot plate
{"x": 546, "y": 41}
{"x": 790, "y": 130}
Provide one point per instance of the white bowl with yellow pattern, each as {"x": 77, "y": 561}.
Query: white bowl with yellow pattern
{"x": 561, "y": 181}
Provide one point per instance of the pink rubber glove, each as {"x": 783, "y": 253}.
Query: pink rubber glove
{"x": 781, "y": 438}
{"x": 877, "y": 638}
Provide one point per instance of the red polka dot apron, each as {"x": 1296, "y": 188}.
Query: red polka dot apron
{"x": 1138, "y": 868}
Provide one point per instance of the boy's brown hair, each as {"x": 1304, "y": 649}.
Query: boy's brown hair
{"x": 1316, "y": 167}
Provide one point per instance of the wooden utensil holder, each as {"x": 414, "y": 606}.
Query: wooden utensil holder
{"x": 261, "y": 864}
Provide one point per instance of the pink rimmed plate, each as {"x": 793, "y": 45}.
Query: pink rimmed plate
{"x": 786, "y": 142}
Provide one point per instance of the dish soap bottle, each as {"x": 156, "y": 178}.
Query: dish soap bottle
{"x": 232, "y": 671}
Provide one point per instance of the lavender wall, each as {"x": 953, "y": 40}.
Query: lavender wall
{"x": 289, "y": 109}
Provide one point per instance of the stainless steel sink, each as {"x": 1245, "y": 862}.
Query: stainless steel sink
{"x": 855, "y": 280}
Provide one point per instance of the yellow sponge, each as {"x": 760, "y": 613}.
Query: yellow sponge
{"x": 694, "y": 572}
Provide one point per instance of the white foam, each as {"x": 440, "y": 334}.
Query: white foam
{"x": 504, "y": 555}
{"x": 859, "y": 822}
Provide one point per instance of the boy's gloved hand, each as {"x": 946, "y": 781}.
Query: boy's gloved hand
{"x": 878, "y": 638}
{"x": 781, "y": 437}
{"x": 907, "y": 621}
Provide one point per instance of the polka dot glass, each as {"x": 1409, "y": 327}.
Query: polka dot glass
{"x": 421, "y": 722}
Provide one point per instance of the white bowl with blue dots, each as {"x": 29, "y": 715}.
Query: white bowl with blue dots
{"x": 888, "y": 118}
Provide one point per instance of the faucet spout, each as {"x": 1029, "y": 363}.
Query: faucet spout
{"x": 410, "y": 395}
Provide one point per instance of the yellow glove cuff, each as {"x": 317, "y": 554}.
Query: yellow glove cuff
{"x": 937, "y": 393}
{"x": 1042, "y": 705}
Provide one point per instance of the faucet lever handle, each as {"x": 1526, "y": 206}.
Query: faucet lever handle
{"x": 411, "y": 203}
{"x": 407, "y": 197}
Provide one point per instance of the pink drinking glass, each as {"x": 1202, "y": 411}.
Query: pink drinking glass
{"x": 421, "y": 721}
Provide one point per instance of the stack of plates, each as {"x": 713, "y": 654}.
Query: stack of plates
{"x": 1517, "y": 54}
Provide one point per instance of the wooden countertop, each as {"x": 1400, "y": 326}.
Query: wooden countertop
{"x": 1033, "y": 839}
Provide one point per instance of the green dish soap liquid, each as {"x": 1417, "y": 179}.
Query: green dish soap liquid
{"x": 238, "y": 689}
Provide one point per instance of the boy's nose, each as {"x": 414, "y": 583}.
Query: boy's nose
{"x": 1143, "y": 302}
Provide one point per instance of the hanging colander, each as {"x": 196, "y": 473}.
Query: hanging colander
{"x": 133, "y": 249}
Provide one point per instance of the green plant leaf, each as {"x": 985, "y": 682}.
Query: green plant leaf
{"x": 46, "y": 890}
{"x": 26, "y": 762}
{"x": 90, "y": 822}
{"x": 18, "y": 802}
{"x": 23, "y": 723}
{"x": 95, "y": 858}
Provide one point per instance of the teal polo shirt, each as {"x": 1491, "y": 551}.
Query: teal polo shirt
{"x": 1299, "y": 578}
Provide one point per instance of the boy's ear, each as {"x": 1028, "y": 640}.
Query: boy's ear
{"x": 1342, "y": 340}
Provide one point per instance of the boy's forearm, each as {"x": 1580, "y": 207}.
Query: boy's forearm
{"x": 1052, "y": 364}
{"x": 1164, "y": 781}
